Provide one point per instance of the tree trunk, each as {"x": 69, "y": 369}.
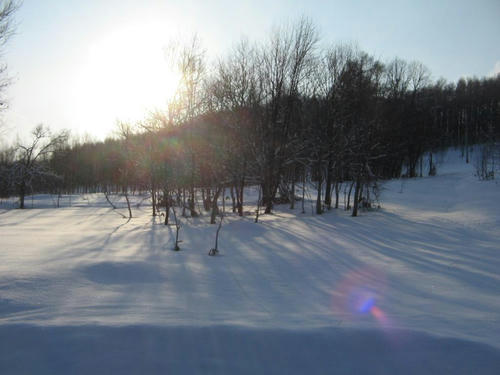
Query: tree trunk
{"x": 183, "y": 202}
{"x": 204, "y": 199}
{"x": 319, "y": 209}
{"x": 166, "y": 197}
{"x": 356, "y": 198}
{"x": 223, "y": 201}
{"x": 22, "y": 194}
{"x": 214, "y": 205}
{"x": 153, "y": 198}
{"x": 303, "y": 192}
{"x": 128, "y": 206}
{"x": 217, "y": 234}
{"x": 239, "y": 193}
{"x": 177, "y": 227}
{"x": 241, "y": 189}
{"x": 328, "y": 188}
{"x": 258, "y": 205}
{"x": 208, "y": 200}
{"x": 267, "y": 197}
{"x": 466, "y": 125}
{"x": 337, "y": 190}
{"x": 192, "y": 208}
{"x": 233, "y": 199}
{"x": 431, "y": 166}
{"x": 349, "y": 197}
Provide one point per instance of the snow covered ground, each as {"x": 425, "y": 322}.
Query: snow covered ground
{"x": 411, "y": 288}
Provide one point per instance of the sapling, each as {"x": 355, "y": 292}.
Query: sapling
{"x": 177, "y": 227}
{"x": 106, "y": 195}
{"x": 215, "y": 250}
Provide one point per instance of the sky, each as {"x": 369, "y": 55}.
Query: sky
{"x": 83, "y": 65}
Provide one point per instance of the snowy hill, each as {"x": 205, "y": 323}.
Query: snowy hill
{"x": 411, "y": 288}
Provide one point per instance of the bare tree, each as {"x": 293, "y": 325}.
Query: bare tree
{"x": 127, "y": 168}
{"x": 177, "y": 228}
{"x": 189, "y": 60}
{"x": 283, "y": 65}
{"x": 397, "y": 78}
{"x": 30, "y": 157}
{"x": 335, "y": 62}
{"x": 215, "y": 250}
{"x": 235, "y": 90}
{"x": 7, "y": 10}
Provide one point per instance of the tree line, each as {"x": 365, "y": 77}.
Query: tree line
{"x": 277, "y": 114}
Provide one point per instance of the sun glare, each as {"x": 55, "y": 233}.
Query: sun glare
{"x": 125, "y": 76}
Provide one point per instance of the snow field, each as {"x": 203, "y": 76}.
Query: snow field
{"x": 411, "y": 288}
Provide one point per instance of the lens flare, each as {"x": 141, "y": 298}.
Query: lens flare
{"x": 367, "y": 305}
{"x": 359, "y": 296}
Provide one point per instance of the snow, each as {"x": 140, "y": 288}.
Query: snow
{"x": 410, "y": 288}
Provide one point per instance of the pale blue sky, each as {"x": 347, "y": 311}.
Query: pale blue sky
{"x": 83, "y": 64}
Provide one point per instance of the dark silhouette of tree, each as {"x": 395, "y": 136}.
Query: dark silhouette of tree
{"x": 32, "y": 160}
{"x": 277, "y": 115}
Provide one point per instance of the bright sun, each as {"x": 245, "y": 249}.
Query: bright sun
{"x": 125, "y": 76}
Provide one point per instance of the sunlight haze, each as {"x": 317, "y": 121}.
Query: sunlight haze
{"x": 123, "y": 75}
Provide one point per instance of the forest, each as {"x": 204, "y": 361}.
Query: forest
{"x": 278, "y": 114}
